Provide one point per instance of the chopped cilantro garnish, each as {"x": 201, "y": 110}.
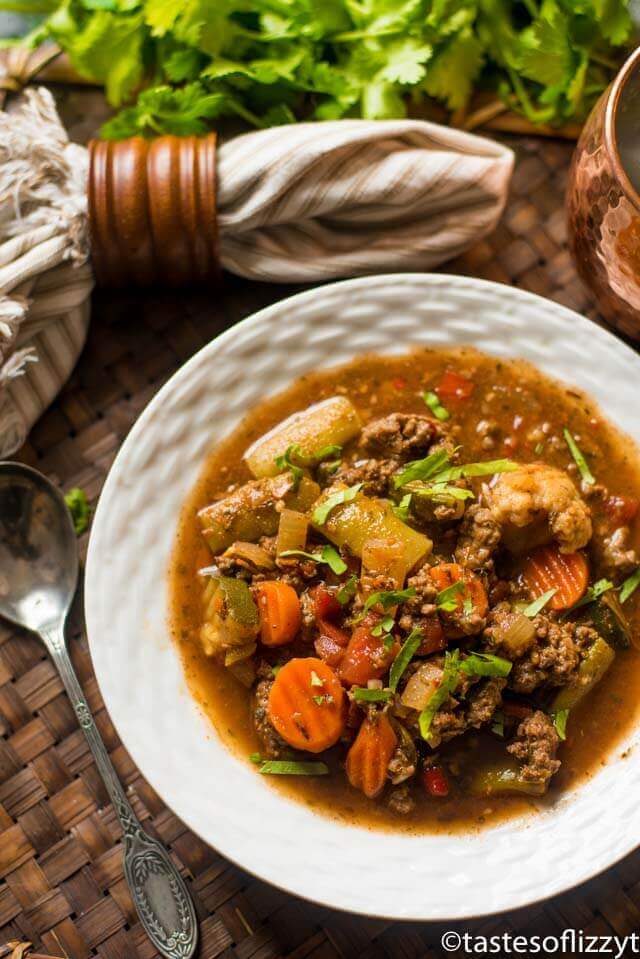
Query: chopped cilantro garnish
{"x": 404, "y": 657}
{"x": 443, "y": 492}
{"x": 315, "y": 679}
{"x": 447, "y": 598}
{"x": 538, "y": 604}
{"x": 476, "y": 664}
{"x": 388, "y": 598}
{"x": 294, "y": 458}
{"x": 448, "y": 683}
{"x": 602, "y": 586}
{"x": 422, "y": 469}
{"x": 402, "y": 508}
{"x": 485, "y": 664}
{"x": 578, "y": 457}
{"x": 560, "y": 722}
{"x": 384, "y": 626}
{"x": 467, "y": 470}
{"x": 284, "y": 462}
{"x": 320, "y": 514}
{"x": 290, "y": 767}
{"x": 467, "y": 606}
{"x": 436, "y": 468}
{"x": 629, "y": 586}
{"x": 324, "y": 699}
{"x": 348, "y": 591}
{"x": 362, "y": 695}
{"x": 538, "y": 448}
{"x": 255, "y": 758}
{"x": 328, "y": 555}
{"x": 439, "y": 411}
{"x": 78, "y": 505}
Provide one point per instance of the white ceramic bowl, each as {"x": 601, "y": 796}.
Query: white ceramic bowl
{"x": 215, "y": 794}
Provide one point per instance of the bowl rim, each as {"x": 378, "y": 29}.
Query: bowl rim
{"x": 156, "y": 402}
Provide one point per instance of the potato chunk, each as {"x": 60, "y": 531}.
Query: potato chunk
{"x": 334, "y": 421}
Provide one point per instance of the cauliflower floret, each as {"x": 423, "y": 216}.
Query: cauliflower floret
{"x": 537, "y": 503}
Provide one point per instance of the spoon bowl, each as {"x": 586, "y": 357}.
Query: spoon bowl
{"x": 38, "y": 551}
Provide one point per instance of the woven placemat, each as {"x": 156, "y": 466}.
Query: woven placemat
{"x": 61, "y": 880}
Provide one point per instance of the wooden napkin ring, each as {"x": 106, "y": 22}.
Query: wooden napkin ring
{"x": 152, "y": 211}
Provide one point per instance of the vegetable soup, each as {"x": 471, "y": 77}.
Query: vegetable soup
{"x": 405, "y": 589}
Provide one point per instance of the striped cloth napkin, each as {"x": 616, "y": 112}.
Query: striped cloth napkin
{"x": 304, "y": 202}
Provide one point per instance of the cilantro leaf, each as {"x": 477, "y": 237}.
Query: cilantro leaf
{"x": 321, "y": 513}
{"x": 630, "y": 585}
{"x": 328, "y": 555}
{"x": 78, "y": 505}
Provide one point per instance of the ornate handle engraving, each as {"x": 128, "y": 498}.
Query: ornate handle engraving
{"x": 157, "y": 888}
{"x": 160, "y": 898}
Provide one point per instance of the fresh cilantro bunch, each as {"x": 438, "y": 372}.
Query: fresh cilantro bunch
{"x": 179, "y": 65}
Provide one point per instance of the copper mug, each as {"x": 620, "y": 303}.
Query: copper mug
{"x": 603, "y": 201}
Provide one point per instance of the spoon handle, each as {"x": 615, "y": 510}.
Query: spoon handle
{"x": 157, "y": 888}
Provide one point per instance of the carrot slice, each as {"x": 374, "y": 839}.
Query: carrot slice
{"x": 307, "y": 705}
{"x": 367, "y": 656}
{"x": 279, "y": 609}
{"x": 446, "y": 574}
{"x": 368, "y": 758}
{"x": 547, "y": 568}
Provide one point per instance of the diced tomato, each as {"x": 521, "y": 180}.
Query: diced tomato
{"x": 329, "y": 650}
{"x": 454, "y": 386}
{"x": 621, "y": 509}
{"x": 367, "y": 656}
{"x": 399, "y": 383}
{"x": 435, "y": 781}
{"x": 327, "y": 608}
{"x": 434, "y": 638}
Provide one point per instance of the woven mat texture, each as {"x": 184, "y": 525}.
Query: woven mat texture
{"x": 61, "y": 881}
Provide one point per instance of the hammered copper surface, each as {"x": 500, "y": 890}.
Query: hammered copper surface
{"x": 604, "y": 215}
{"x": 152, "y": 211}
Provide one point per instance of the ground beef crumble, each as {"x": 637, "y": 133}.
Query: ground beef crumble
{"x": 400, "y": 435}
{"x": 373, "y": 474}
{"x": 535, "y": 746}
{"x": 551, "y": 658}
{"x": 274, "y": 746}
{"x": 471, "y": 712}
{"x": 479, "y": 538}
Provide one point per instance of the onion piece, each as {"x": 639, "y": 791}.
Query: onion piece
{"x": 251, "y": 554}
{"x": 292, "y": 531}
{"x": 516, "y": 634}
{"x": 421, "y": 686}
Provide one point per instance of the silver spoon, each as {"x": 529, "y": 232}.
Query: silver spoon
{"x": 38, "y": 579}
